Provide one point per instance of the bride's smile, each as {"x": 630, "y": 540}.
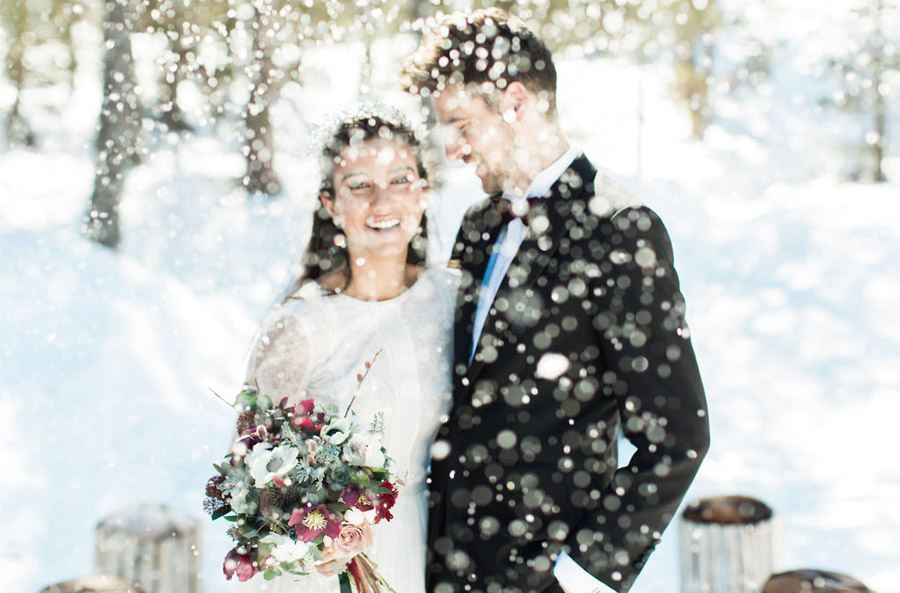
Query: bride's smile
{"x": 378, "y": 201}
{"x": 385, "y": 224}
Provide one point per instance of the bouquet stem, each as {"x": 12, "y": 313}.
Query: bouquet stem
{"x": 365, "y": 576}
{"x": 344, "y": 579}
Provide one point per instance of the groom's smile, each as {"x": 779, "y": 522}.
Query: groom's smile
{"x": 475, "y": 132}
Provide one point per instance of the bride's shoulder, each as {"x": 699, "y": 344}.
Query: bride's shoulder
{"x": 443, "y": 276}
{"x": 443, "y": 283}
{"x": 298, "y": 308}
{"x": 306, "y": 295}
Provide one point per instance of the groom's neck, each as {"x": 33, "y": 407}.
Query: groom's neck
{"x": 535, "y": 151}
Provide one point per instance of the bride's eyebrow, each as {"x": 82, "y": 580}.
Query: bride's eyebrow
{"x": 349, "y": 175}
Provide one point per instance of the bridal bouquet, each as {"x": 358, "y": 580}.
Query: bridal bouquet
{"x": 302, "y": 485}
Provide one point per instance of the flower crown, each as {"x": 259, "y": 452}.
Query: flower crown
{"x": 323, "y": 133}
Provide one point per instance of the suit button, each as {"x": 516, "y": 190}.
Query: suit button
{"x": 452, "y": 473}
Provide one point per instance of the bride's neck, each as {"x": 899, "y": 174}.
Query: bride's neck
{"x": 374, "y": 278}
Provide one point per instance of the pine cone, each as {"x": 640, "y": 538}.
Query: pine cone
{"x": 213, "y": 505}
{"x": 246, "y": 421}
{"x": 287, "y": 498}
{"x": 214, "y": 487}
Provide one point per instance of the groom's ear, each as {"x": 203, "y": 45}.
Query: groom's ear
{"x": 516, "y": 98}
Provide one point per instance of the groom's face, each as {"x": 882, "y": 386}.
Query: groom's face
{"x": 475, "y": 133}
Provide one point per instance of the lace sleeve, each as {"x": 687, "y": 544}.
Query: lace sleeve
{"x": 279, "y": 364}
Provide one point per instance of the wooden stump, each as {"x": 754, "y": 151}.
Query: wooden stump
{"x": 726, "y": 545}
{"x": 154, "y": 546}
{"x": 810, "y": 580}
{"x": 94, "y": 584}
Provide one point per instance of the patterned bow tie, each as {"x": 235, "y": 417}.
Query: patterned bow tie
{"x": 508, "y": 210}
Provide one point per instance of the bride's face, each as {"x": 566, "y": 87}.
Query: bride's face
{"x": 378, "y": 197}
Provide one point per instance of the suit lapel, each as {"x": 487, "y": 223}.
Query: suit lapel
{"x": 546, "y": 229}
{"x": 474, "y": 258}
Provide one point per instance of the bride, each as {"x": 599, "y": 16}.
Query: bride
{"x": 364, "y": 290}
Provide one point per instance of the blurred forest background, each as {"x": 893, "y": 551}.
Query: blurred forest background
{"x": 156, "y": 184}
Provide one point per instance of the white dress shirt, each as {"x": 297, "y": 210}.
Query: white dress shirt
{"x": 572, "y": 577}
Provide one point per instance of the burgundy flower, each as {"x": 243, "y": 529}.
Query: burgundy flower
{"x": 310, "y": 522}
{"x": 250, "y": 440}
{"x": 305, "y": 408}
{"x": 356, "y": 498}
{"x": 239, "y": 564}
{"x": 305, "y": 419}
{"x": 385, "y": 502}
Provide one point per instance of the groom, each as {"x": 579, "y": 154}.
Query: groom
{"x": 569, "y": 327}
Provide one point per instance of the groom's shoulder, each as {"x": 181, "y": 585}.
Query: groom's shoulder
{"x": 610, "y": 198}
{"x": 620, "y": 214}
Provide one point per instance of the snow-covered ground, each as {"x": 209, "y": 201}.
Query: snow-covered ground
{"x": 106, "y": 359}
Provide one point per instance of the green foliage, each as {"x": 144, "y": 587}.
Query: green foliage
{"x": 220, "y": 513}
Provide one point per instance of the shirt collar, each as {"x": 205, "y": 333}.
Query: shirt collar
{"x": 541, "y": 184}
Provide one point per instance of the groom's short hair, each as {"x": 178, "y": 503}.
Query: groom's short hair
{"x": 487, "y": 48}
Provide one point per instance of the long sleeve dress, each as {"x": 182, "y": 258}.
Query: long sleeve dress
{"x": 315, "y": 344}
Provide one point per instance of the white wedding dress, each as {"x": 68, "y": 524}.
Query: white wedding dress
{"x": 314, "y": 346}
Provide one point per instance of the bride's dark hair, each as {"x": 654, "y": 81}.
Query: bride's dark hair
{"x": 327, "y": 251}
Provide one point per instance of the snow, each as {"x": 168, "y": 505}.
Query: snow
{"x": 107, "y": 359}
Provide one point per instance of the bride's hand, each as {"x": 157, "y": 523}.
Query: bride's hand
{"x": 331, "y": 565}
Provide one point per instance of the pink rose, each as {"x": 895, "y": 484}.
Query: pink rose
{"x": 353, "y": 539}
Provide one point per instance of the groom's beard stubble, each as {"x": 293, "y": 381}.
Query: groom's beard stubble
{"x": 494, "y": 161}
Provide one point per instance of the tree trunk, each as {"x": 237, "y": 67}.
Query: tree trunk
{"x": 259, "y": 139}
{"x": 119, "y": 125}
{"x": 154, "y": 546}
{"x": 878, "y": 102}
{"x": 365, "y": 74}
{"x": 72, "y": 69}
{"x": 880, "y": 134}
{"x": 18, "y": 130}
{"x": 693, "y": 67}
{"x": 168, "y": 111}
{"x": 259, "y": 147}
{"x": 727, "y": 545}
{"x": 640, "y": 113}
{"x": 64, "y": 18}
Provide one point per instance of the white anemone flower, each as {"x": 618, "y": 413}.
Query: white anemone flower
{"x": 239, "y": 503}
{"x": 337, "y": 431}
{"x": 357, "y": 517}
{"x": 264, "y": 464}
{"x": 286, "y": 549}
{"x": 374, "y": 455}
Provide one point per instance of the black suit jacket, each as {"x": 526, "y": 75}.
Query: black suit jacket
{"x": 585, "y": 336}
